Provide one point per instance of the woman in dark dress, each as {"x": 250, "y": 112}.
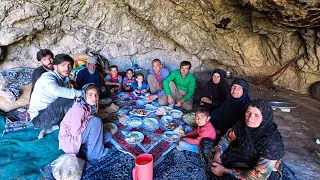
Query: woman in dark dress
{"x": 233, "y": 109}
{"x": 252, "y": 149}
{"x": 216, "y": 90}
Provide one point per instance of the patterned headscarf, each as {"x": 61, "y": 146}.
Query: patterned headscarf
{"x": 93, "y": 108}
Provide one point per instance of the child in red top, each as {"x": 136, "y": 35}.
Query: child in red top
{"x": 191, "y": 140}
{"x": 113, "y": 80}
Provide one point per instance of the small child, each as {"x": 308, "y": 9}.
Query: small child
{"x": 139, "y": 86}
{"x": 113, "y": 80}
{"x": 191, "y": 140}
{"x": 128, "y": 81}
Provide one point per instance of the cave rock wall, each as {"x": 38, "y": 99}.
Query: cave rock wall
{"x": 249, "y": 37}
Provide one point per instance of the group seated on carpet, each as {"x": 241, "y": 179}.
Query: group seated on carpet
{"x": 53, "y": 103}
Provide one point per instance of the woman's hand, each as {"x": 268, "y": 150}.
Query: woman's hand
{"x": 219, "y": 169}
{"x": 217, "y": 157}
{"x": 143, "y": 90}
{"x": 206, "y": 100}
{"x": 138, "y": 91}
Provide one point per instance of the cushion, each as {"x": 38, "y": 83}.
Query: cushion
{"x": 79, "y": 59}
{"x": 22, "y": 100}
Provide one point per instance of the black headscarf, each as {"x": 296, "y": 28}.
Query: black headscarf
{"x": 232, "y": 110}
{"x": 252, "y": 143}
{"x": 266, "y": 138}
{"x": 217, "y": 92}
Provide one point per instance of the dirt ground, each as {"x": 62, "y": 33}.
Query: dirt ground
{"x": 299, "y": 128}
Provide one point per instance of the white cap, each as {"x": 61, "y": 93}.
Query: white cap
{"x": 91, "y": 60}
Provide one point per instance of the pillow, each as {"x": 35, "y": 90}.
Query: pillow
{"x": 22, "y": 100}
{"x": 79, "y": 59}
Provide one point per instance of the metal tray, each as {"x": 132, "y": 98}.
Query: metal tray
{"x": 282, "y": 105}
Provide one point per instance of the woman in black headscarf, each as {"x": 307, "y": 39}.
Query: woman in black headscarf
{"x": 216, "y": 90}
{"x": 233, "y": 109}
{"x": 252, "y": 149}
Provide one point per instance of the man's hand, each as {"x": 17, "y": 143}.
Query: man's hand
{"x": 170, "y": 100}
{"x": 219, "y": 169}
{"x": 179, "y": 103}
{"x": 151, "y": 97}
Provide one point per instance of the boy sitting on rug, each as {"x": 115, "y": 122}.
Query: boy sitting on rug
{"x": 191, "y": 140}
{"x": 140, "y": 87}
{"x": 128, "y": 81}
{"x": 113, "y": 80}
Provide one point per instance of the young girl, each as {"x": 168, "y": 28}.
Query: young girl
{"x": 191, "y": 140}
{"x": 81, "y": 132}
{"x": 139, "y": 86}
{"x": 128, "y": 80}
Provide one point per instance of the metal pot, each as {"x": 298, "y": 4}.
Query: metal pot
{"x": 229, "y": 74}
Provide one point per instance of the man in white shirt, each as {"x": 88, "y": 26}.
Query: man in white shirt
{"x": 52, "y": 96}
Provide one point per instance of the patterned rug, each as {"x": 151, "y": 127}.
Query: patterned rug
{"x": 118, "y": 166}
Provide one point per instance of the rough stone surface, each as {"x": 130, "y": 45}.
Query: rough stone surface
{"x": 248, "y": 37}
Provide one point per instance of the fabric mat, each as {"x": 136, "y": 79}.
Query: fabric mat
{"x": 22, "y": 154}
{"x": 118, "y": 166}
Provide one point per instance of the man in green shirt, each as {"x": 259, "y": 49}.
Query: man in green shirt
{"x": 179, "y": 87}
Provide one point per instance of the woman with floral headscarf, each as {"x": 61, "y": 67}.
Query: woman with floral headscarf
{"x": 216, "y": 90}
{"x": 80, "y": 130}
{"x": 252, "y": 149}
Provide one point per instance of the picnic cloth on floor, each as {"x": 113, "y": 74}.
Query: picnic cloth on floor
{"x": 118, "y": 166}
{"x": 153, "y": 142}
{"x": 23, "y": 154}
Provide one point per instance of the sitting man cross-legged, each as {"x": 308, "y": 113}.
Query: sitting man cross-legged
{"x": 179, "y": 87}
{"x": 155, "y": 78}
{"x": 51, "y": 97}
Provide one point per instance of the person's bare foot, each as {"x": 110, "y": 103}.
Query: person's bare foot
{"x": 179, "y": 148}
{"x": 47, "y": 131}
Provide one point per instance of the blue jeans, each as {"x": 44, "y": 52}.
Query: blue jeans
{"x": 184, "y": 145}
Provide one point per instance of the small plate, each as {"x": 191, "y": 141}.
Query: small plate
{"x": 134, "y": 122}
{"x": 134, "y": 137}
{"x": 123, "y": 96}
{"x": 122, "y": 112}
{"x": 171, "y": 136}
{"x": 189, "y": 118}
{"x": 105, "y": 101}
{"x": 150, "y": 124}
{"x": 166, "y": 119}
{"x": 110, "y": 127}
{"x": 139, "y": 112}
{"x": 121, "y": 103}
{"x": 175, "y": 113}
{"x": 141, "y": 102}
{"x": 151, "y": 107}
